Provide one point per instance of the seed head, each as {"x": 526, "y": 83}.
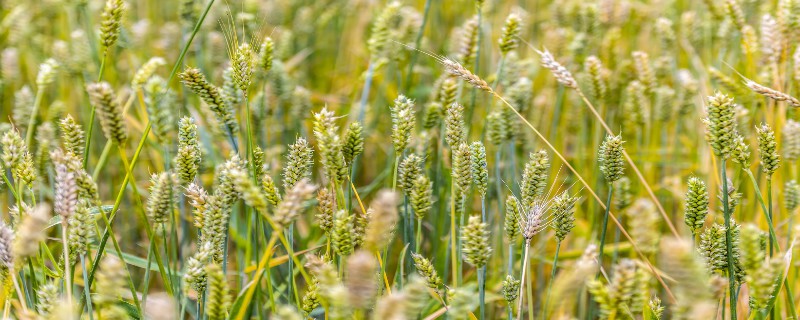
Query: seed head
{"x": 448, "y": 92}
{"x": 72, "y": 136}
{"x": 47, "y": 73}
{"x": 6, "y": 240}
{"x": 427, "y": 271}
{"x": 791, "y": 140}
{"x": 110, "y": 283}
{"x": 31, "y": 232}
{"x": 310, "y": 298}
{"x": 714, "y": 250}
{"x": 611, "y": 158}
{"x": 342, "y": 234}
{"x": 623, "y": 194}
{"x": 768, "y": 149}
{"x": 110, "y": 22}
{"x": 292, "y": 205}
{"x": 763, "y": 282}
{"x": 433, "y": 115}
{"x": 421, "y": 196}
{"x": 511, "y": 224}
{"x": 326, "y": 206}
{"x": 644, "y": 72}
{"x": 212, "y": 96}
{"x": 741, "y": 151}
{"x": 475, "y": 239}
{"x": 625, "y": 292}
{"x": 161, "y": 202}
{"x": 66, "y": 186}
{"x": 772, "y": 93}
{"x": 594, "y": 67}
{"x": 197, "y": 199}
{"x": 468, "y": 42}
{"x": 195, "y": 276}
{"x": 298, "y": 163}
{"x": 563, "y": 76}
{"x": 534, "y": 178}
{"x": 48, "y": 298}
{"x": 454, "y": 125}
{"x": 266, "y": 55}
{"x": 409, "y": 169}
{"x": 146, "y": 71}
{"x": 696, "y": 207}
{"x": 563, "y": 209}
{"x": 361, "y": 280}
{"x": 753, "y": 247}
{"x": 403, "y": 120}
{"x": 353, "y": 143}
{"x": 80, "y": 231}
{"x": 644, "y": 225}
{"x": 459, "y": 71}
{"x": 187, "y": 161}
{"x": 462, "y": 169}
{"x": 791, "y": 195}
{"x": 108, "y": 111}
{"x": 496, "y": 128}
{"x": 270, "y": 190}
{"x": 510, "y": 288}
{"x": 219, "y": 298}
{"x": 382, "y": 220}
{"x": 381, "y": 30}
{"x": 480, "y": 172}
{"x": 242, "y": 63}
{"x": 509, "y": 40}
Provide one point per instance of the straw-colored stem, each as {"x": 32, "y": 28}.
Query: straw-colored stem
{"x": 522, "y": 279}
{"x": 20, "y": 294}
{"x": 67, "y": 274}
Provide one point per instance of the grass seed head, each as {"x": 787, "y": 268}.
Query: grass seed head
{"x": 768, "y": 150}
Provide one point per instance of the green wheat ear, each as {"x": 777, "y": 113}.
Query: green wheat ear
{"x": 475, "y": 237}
{"x": 427, "y": 271}
{"x": 111, "y": 21}
{"x": 612, "y": 164}
{"x": 109, "y": 111}
{"x": 480, "y": 170}
{"x": 696, "y": 204}
{"x": 534, "y": 178}
{"x": 421, "y": 196}
{"x": 721, "y": 125}
{"x": 409, "y": 169}
{"x": 219, "y": 298}
{"x": 768, "y": 150}
{"x": 563, "y": 208}
{"x": 509, "y": 40}
{"x": 510, "y": 288}
{"x": 403, "y": 119}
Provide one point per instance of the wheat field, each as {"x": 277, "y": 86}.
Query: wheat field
{"x": 410, "y": 159}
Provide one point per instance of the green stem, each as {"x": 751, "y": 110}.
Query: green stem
{"x": 769, "y": 212}
{"x": 552, "y": 278}
{"x": 34, "y": 113}
{"x": 605, "y": 225}
{"x": 92, "y": 114}
{"x": 86, "y": 291}
{"x": 419, "y": 235}
{"x": 102, "y": 161}
{"x": 728, "y": 242}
